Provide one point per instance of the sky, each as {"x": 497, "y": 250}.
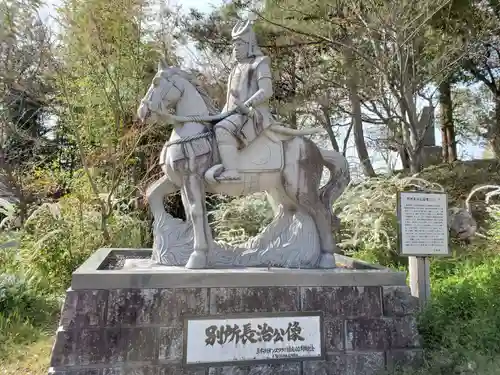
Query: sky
{"x": 201, "y": 5}
{"x": 467, "y": 151}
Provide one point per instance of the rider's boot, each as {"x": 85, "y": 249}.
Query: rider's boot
{"x": 228, "y": 150}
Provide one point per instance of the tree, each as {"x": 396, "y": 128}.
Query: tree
{"x": 477, "y": 23}
{"x": 449, "y": 142}
{"x": 106, "y": 60}
{"x": 300, "y": 89}
{"x": 483, "y": 69}
{"x": 25, "y": 98}
{"x": 389, "y": 53}
{"x": 473, "y": 111}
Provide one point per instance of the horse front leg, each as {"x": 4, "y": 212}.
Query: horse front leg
{"x": 196, "y": 211}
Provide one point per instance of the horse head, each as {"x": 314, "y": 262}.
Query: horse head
{"x": 163, "y": 93}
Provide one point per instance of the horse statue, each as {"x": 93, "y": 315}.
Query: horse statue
{"x": 280, "y": 161}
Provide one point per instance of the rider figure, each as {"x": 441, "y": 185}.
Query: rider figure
{"x": 250, "y": 84}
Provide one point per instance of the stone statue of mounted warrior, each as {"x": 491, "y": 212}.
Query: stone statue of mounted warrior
{"x": 242, "y": 150}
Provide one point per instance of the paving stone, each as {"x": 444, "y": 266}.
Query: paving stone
{"x": 143, "y": 370}
{"x": 116, "y": 344}
{"x": 133, "y": 307}
{"x": 403, "y": 332}
{"x": 398, "y": 301}
{"x": 239, "y": 300}
{"x": 179, "y": 370}
{"x": 64, "y": 349}
{"x": 139, "y": 307}
{"x": 143, "y": 344}
{"x": 343, "y": 301}
{"x": 367, "y": 363}
{"x": 77, "y": 372}
{"x": 291, "y": 368}
{"x": 397, "y": 359}
{"x": 367, "y": 334}
{"x": 91, "y": 347}
{"x": 171, "y": 344}
{"x": 334, "y": 335}
{"x": 84, "y": 308}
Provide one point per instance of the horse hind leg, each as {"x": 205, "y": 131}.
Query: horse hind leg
{"x": 324, "y": 224}
{"x": 322, "y": 219}
{"x": 155, "y": 194}
{"x": 312, "y": 205}
{"x": 303, "y": 185}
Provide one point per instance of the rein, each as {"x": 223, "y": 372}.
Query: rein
{"x": 189, "y": 138}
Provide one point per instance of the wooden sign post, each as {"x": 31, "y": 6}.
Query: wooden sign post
{"x": 423, "y": 232}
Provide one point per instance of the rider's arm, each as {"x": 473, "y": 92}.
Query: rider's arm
{"x": 226, "y": 106}
{"x": 265, "y": 83}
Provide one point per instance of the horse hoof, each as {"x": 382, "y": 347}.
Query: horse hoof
{"x": 197, "y": 260}
{"x": 327, "y": 260}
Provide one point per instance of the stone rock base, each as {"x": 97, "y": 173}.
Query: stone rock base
{"x": 139, "y": 330}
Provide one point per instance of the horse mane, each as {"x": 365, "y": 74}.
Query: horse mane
{"x": 191, "y": 78}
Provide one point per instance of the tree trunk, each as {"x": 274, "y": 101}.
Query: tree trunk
{"x": 415, "y": 160}
{"x": 405, "y": 161}
{"x": 494, "y": 136}
{"x": 447, "y": 127}
{"x": 293, "y": 115}
{"x": 414, "y": 150}
{"x": 327, "y": 125}
{"x": 359, "y": 139}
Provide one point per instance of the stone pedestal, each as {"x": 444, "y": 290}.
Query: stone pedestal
{"x": 130, "y": 321}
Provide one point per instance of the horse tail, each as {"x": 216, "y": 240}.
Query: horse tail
{"x": 339, "y": 179}
{"x": 280, "y": 129}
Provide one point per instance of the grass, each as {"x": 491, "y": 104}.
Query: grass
{"x": 30, "y": 356}
{"x": 28, "y": 319}
{"x": 461, "y": 177}
{"x": 54, "y": 241}
{"x": 461, "y": 326}
{"x": 25, "y": 345}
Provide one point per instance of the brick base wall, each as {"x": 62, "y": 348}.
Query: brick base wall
{"x": 139, "y": 331}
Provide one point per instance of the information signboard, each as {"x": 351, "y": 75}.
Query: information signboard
{"x": 423, "y": 224}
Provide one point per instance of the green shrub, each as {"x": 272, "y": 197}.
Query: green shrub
{"x": 26, "y": 311}
{"x": 19, "y": 296}
{"x": 14, "y": 331}
{"x": 446, "y": 362}
{"x": 369, "y": 218}
{"x": 460, "y": 327}
{"x": 59, "y": 237}
{"x": 8, "y": 251}
{"x": 464, "y": 312}
{"x": 238, "y": 220}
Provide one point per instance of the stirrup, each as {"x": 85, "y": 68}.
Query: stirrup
{"x": 210, "y": 174}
